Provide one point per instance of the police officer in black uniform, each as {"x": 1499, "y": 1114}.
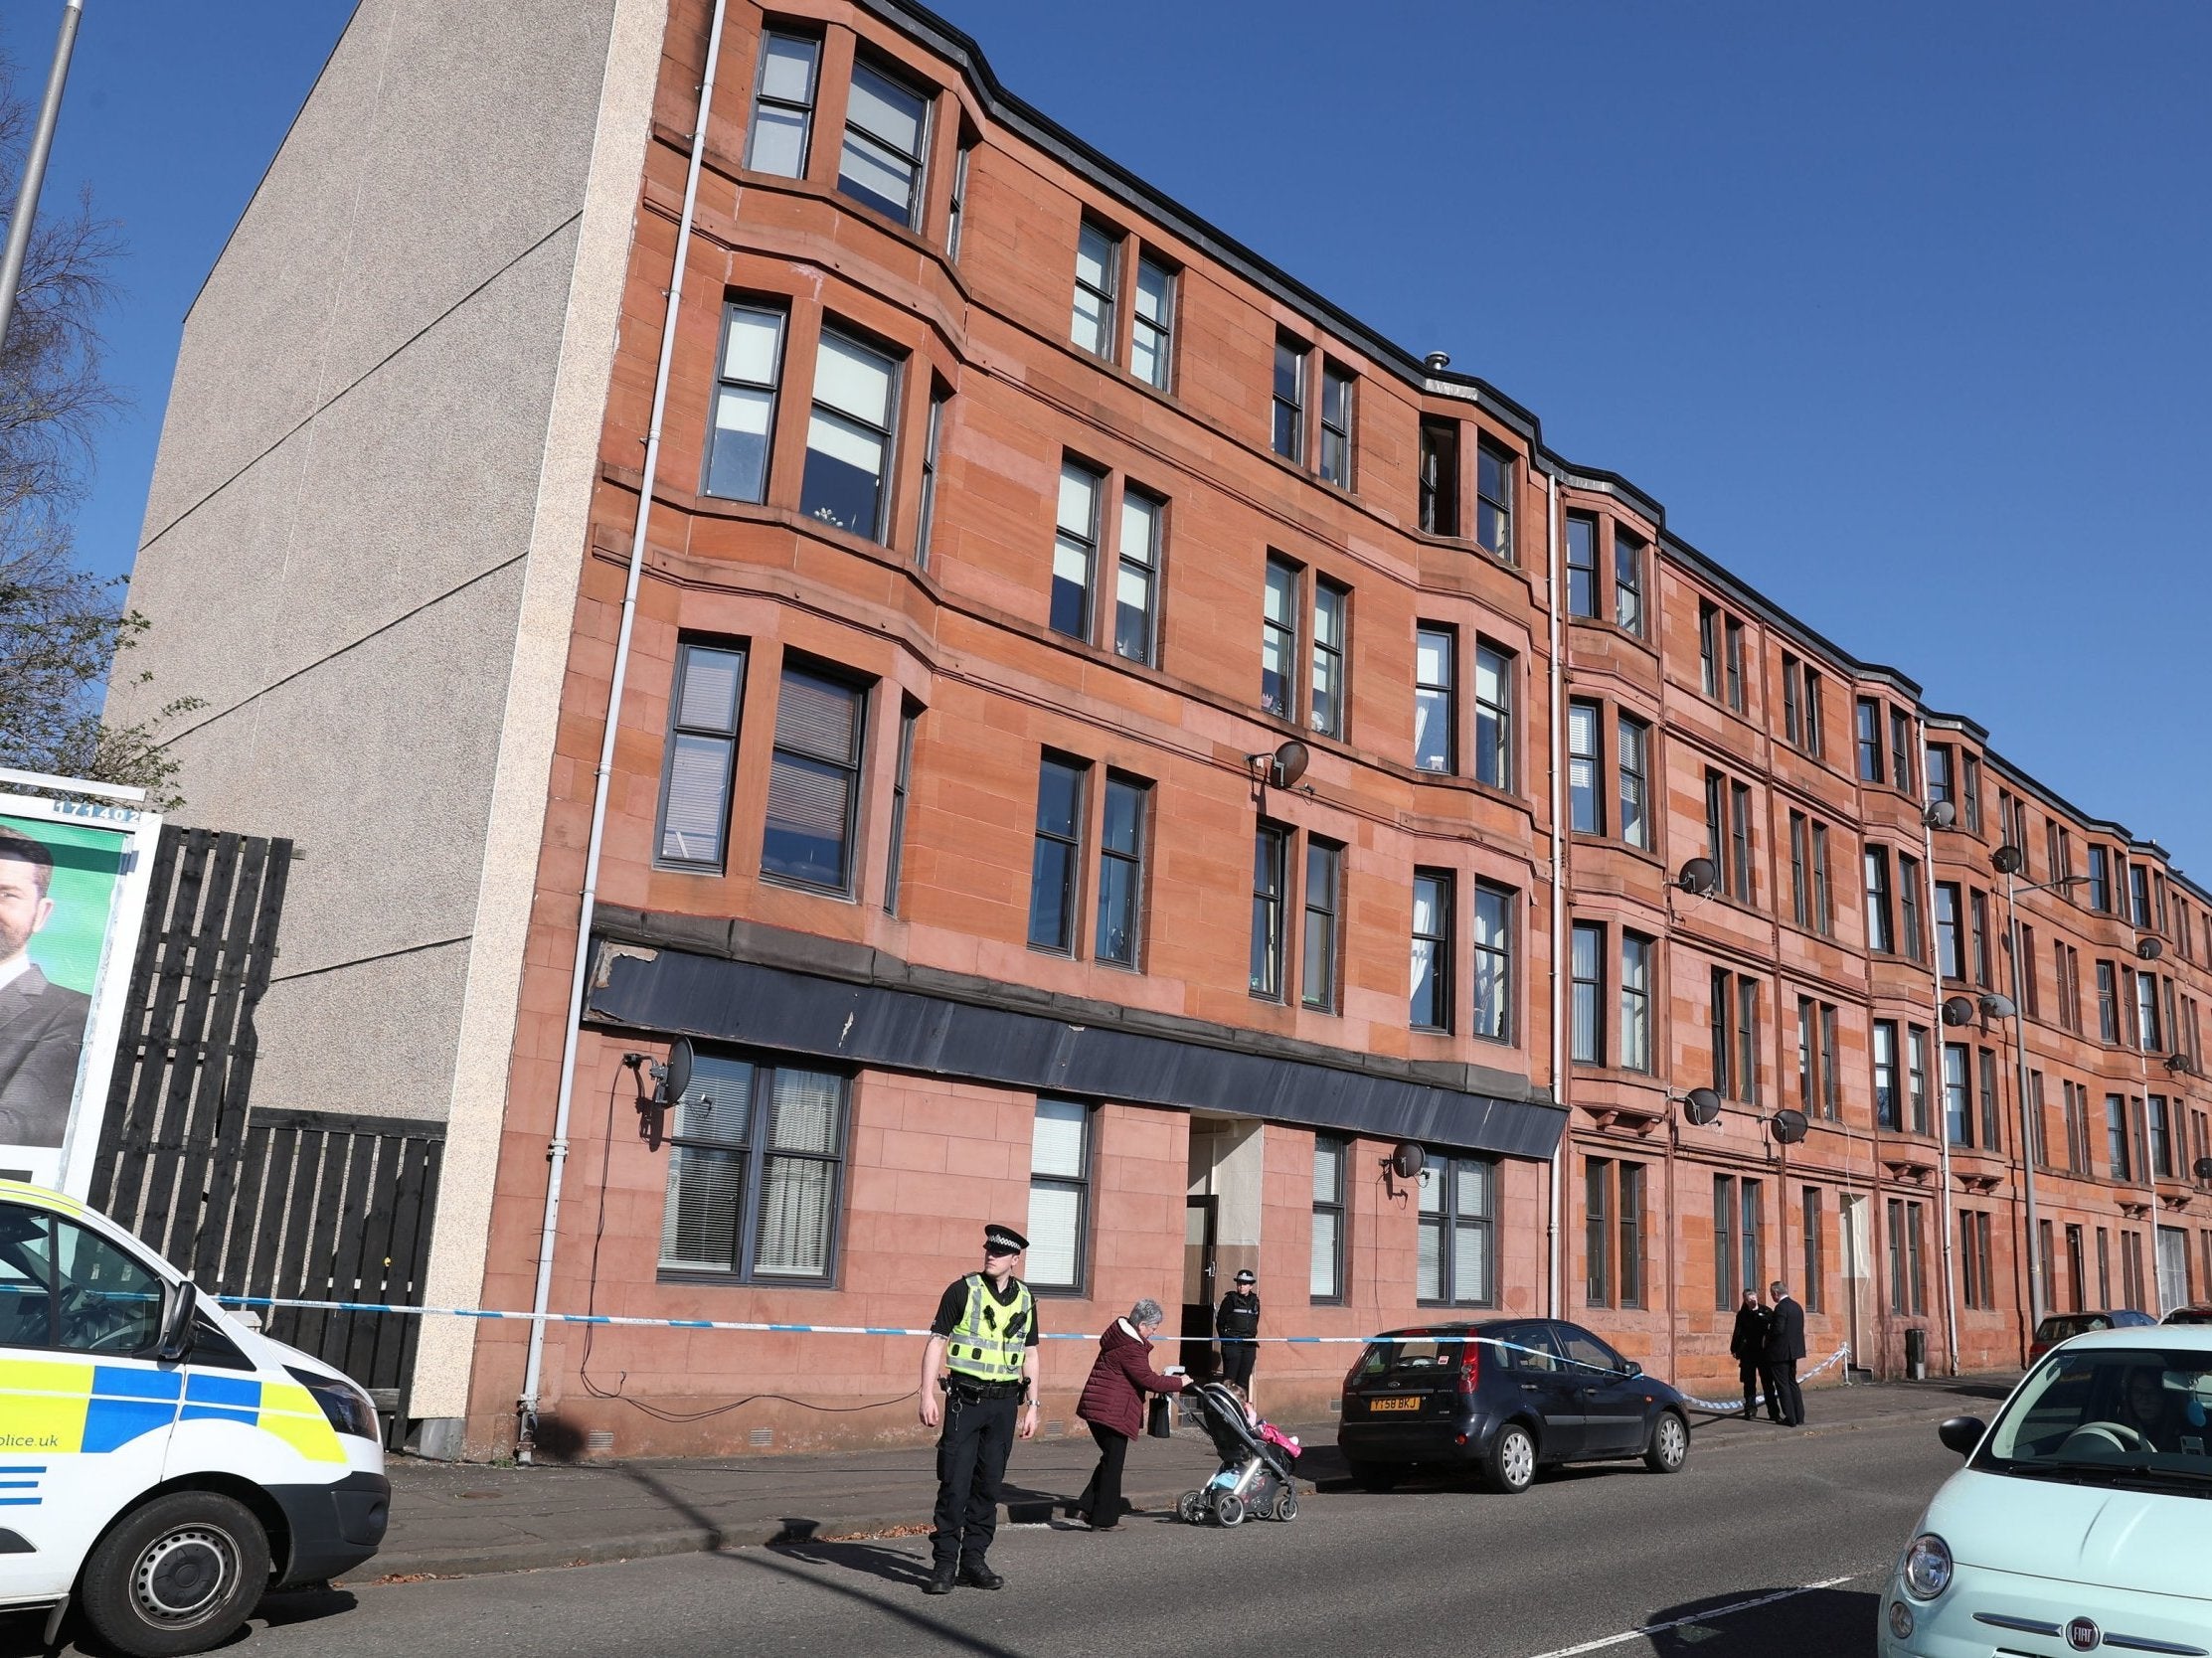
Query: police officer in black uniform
{"x": 985, "y": 1337}
{"x": 1236, "y": 1323}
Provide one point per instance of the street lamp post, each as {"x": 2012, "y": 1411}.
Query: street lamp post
{"x": 34, "y": 165}
{"x": 2008, "y": 861}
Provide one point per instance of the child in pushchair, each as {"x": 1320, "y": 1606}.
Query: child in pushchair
{"x": 1255, "y": 1476}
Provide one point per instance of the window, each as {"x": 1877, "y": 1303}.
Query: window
{"x": 1977, "y": 1282}
{"x": 1958, "y": 1108}
{"x": 1813, "y": 1228}
{"x": 1270, "y": 849}
{"x": 1325, "y": 1282}
{"x": 1636, "y": 1002}
{"x": 1870, "y": 740}
{"x": 925, "y": 518}
{"x": 2075, "y": 1104}
{"x": 1627, "y": 580}
{"x": 1058, "y": 1196}
{"x": 1969, "y": 792}
{"x": 2118, "y": 1164}
{"x": 751, "y": 367}
{"x": 1431, "y": 1005}
{"x": 848, "y": 437}
{"x": 1458, "y": 1206}
{"x": 1918, "y": 1041}
{"x": 1738, "y": 1236}
{"x": 813, "y": 781}
{"x": 1332, "y": 606}
{"x": 1901, "y": 750}
{"x": 1582, "y": 565}
{"x": 1735, "y": 1036}
{"x": 1633, "y": 747}
{"x": 1440, "y": 477}
{"x": 887, "y": 127}
{"x": 1493, "y": 962}
{"x": 955, "y": 210}
{"x": 1493, "y": 507}
{"x": 1056, "y": 853}
{"x": 114, "y": 1303}
{"x": 1709, "y": 646}
{"x": 1942, "y": 785}
{"x": 1279, "y": 637}
{"x": 1948, "y": 959}
{"x": 1290, "y": 398}
{"x": 1075, "y": 549}
{"x": 1136, "y": 593}
{"x": 755, "y": 1160}
{"x": 1907, "y": 907}
{"x": 1152, "y": 328}
{"x": 1908, "y": 1270}
{"x": 782, "y": 105}
{"x": 1336, "y": 424}
{"x": 1122, "y": 845}
{"x": 1728, "y": 834}
{"x": 1585, "y": 814}
{"x": 2107, "y": 1005}
{"x": 1985, "y": 1074}
{"x": 1880, "y": 933}
{"x": 1436, "y": 649}
{"x": 1888, "y": 1103}
{"x": 701, "y": 753}
{"x": 1098, "y": 286}
{"x": 1800, "y": 705}
{"x": 2138, "y": 898}
{"x": 902, "y": 779}
{"x": 2146, "y": 1014}
{"x": 1589, "y": 969}
{"x": 1324, "y": 875}
{"x": 1613, "y": 1231}
{"x": 2161, "y": 1137}
{"x": 2101, "y": 880}
{"x": 1732, "y": 634}
{"x": 1977, "y": 934}
{"x": 2067, "y": 962}
{"x": 1814, "y": 744}
{"x": 1493, "y": 715}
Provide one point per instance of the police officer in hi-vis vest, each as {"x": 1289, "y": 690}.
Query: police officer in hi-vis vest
{"x": 985, "y": 1335}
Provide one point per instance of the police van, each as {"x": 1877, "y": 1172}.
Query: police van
{"x": 162, "y": 1464}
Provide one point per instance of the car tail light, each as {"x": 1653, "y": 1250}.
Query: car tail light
{"x": 1470, "y": 1368}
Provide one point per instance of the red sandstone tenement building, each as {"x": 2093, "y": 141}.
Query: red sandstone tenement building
{"x": 1006, "y": 522}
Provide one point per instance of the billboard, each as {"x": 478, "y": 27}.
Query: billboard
{"x": 72, "y": 888}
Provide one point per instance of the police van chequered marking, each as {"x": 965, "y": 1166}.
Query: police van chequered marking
{"x": 68, "y": 1407}
{"x": 15, "y": 1482}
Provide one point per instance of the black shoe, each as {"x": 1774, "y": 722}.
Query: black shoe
{"x": 941, "y": 1579}
{"x": 978, "y": 1575}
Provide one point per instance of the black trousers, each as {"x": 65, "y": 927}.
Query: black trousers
{"x": 1747, "y": 1371}
{"x": 977, "y": 1437}
{"x": 1237, "y": 1360}
{"x": 1100, "y": 1502}
{"x": 1784, "y": 1402}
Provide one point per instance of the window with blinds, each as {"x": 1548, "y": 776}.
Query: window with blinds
{"x": 701, "y": 755}
{"x": 1058, "y": 1195}
{"x": 755, "y": 1163}
{"x": 814, "y": 780}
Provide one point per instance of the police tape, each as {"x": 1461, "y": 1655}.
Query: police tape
{"x": 1731, "y": 1405}
{"x": 755, "y": 1327}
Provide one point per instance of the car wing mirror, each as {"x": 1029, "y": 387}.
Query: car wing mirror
{"x": 1961, "y": 1434}
{"x": 178, "y": 1307}
{"x": 1631, "y": 1369}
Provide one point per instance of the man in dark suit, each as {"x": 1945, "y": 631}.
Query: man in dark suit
{"x": 1786, "y": 1345}
{"x": 42, "y": 1025}
{"x": 1746, "y": 1344}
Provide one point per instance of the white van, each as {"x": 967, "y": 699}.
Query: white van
{"x": 2082, "y": 1518}
{"x": 162, "y": 1464}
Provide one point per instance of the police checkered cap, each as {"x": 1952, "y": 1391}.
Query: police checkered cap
{"x": 1247, "y": 1278}
{"x": 1004, "y": 1238}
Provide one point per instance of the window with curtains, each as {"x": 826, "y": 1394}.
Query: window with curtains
{"x": 783, "y": 105}
{"x": 1585, "y": 810}
{"x": 1958, "y": 1104}
{"x": 887, "y": 136}
{"x": 756, "y": 1164}
{"x": 1494, "y": 472}
{"x": 1588, "y": 963}
{"x": 1493, "y": 715}
{"x": 1493, "y": 962}
{"x": 1055, "y": 852}
{"x": 1325, "y": 1279}
{"x": 1633, "y": 754}
{"x": 814, "y": 780}
{"x": 1430, "y": 1008}
{"x": 1440, "y": 477}
{"x": 848, "y": 435}
{"x": 1281, "y": 611}
{"x": 1635, "y": 1001}
{"x": 1059, "y": 1197}
{"x": 1457, "y": 1262}
{"x": 1435, "y": 657}
{"x": 1951, "y": 960}
{"x": 701, "y": 755}
{"x": 747, "y": 375}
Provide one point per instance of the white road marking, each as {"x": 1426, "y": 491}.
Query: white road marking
{"x": 1701, "y": 1617}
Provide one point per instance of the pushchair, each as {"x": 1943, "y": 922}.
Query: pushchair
{"x": 1255, "y": 1477}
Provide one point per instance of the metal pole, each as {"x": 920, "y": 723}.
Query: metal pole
{"x": 2030, "y": 1244}
{"x": 33, "y": 166}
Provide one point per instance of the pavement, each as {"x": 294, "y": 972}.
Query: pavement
{"x": 464, "y": 1519}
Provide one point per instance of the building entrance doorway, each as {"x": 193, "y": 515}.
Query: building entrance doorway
{"x": 1201, "y": 1267}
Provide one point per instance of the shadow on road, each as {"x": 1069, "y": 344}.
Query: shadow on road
{"x": 893, "y": 1565}
{"x": 1813, "y": 1623}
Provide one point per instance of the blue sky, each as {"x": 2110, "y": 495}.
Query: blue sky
{"x": 1899, "y": 309}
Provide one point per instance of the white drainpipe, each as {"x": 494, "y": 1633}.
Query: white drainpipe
{"x": 1554, "y": 1233}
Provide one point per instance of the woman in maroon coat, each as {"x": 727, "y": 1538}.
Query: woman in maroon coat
{"x": 1113, "y": 1405}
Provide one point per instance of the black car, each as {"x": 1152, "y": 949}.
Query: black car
{"x": 1505, "y": 1396}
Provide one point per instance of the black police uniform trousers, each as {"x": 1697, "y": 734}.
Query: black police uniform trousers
{"x": 1237, "y": 1360}
{"x": 972, "y": 1448}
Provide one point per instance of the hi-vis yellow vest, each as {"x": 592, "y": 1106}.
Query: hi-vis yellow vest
{"x": 986, "y": 1345}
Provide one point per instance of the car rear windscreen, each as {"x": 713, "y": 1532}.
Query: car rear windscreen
{"x": 1410, "y": 1356}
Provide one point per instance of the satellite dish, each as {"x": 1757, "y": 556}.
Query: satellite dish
{"x": 1700, "y": 875}
{"x": 1408, "y": 1160}
{"x": 1958, "y": 1010}
{"x": 1288, "y": 765}
{"x": 1702, "y": 1106}
{"x": 1788, "y": 1126}
{"x": 2008, "y": 860}
{"x": 1994, "y": 1006}
{"x": 671, "y": 1082}
{"x": 2204, "y": 1168}
{"x": 1941, "y": 815}
{"x": 2151, "y": 949}
{"x": 2180, "y": 1064}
